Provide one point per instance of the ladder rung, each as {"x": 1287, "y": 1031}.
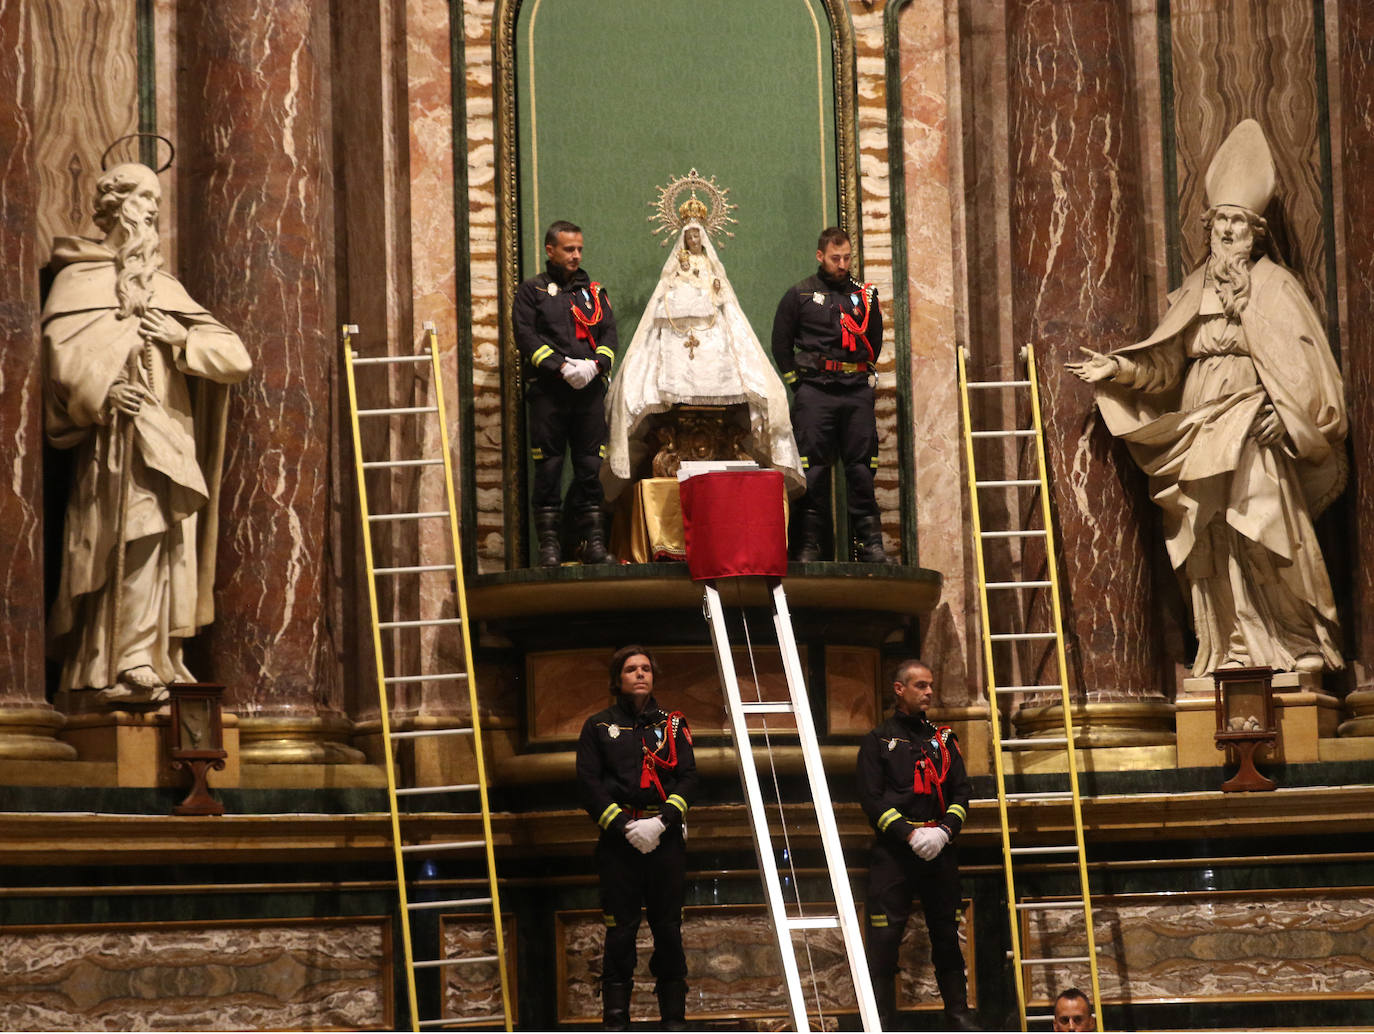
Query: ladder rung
{"x": 1026, "y": 689}
{"x": 414, "y": 791}
{"x": 418, "y": 733}
{"x": 466, "y": 961}
{"x": 1017, "y": 585}
{"x": 1039, "y": 1019}
{"x": 1043, "y": 795}
{"x": 1007, "y": 637}
{"x": 466, "y": 1021}
{"x": 1056, "y": 961}
{"x": 417, "y": 906}
{"x": 448, "y": 676}
{"x": 374, "y": 360}
{"x": 1016, "y": 433}
{"x": 419, "y": 623}
{"x": 766, "y": 708}
{"x": 814, "y": 923}
{"x": 1057, "y": 849}
{"x": 1045, "y": 906}
{"x": 1008, "y": 483}
{"x": 1032, "y": 533}
{"x": 1047, "y": 741}
{"x": 447, "y": 845}
{"x": 998, "y": 384}
{"x": 415, "y": 515}
{"x": 381, "y": 464}
{"x": 415, "y": 568}
{"x": 398, "y": 411}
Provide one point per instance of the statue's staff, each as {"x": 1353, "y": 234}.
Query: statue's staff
{"x": 126, "y": 460}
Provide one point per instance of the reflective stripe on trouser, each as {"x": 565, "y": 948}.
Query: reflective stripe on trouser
{"x": 574, "y": 422}
{"x": 837, "y": 423}
{"x": 631, "y": 883}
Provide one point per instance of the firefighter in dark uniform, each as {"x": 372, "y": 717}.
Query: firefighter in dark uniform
{"x": 565, "y": 330}
{"x": 827, "y": 334}
{"x": 637, "y": 775}
{"x": 914, "y": 789}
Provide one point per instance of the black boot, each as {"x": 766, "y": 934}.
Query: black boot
{"x": 954, "y": 992}
{"x": 868, "y": 540}
{"x": 672, "y": 1003}
{"x": 615, "y": 1004}
{"x": 810, "y": 534}
{"x": 546, "y": 523}
{"x": 593, "y": 533}
{"x": 885, "y": 997}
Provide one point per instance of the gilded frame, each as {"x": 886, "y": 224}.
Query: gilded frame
{"x": 508, "y": 224}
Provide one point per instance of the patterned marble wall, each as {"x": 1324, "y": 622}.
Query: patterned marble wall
{"x": 78, "y": 116}
{"x": 1215, "y": 946}
{"x": 1253, "y": 59}
{"x": 733, "y": 965}
{"x": 247, "y": 975}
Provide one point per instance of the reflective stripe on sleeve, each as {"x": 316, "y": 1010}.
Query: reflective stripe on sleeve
{"x": 960, "y": 810}
{"x": 677, "y": 802}
{"x": 608, "y": 816}
{"x": 887, "y": 818}
{"x": 540, "y": 354}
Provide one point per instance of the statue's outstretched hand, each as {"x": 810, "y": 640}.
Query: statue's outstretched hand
{"x": 125, "y": 397}
{"x": 1097, "y": 367}
{"x": 1267, "y": 428}
{"x": 157, "y": 326}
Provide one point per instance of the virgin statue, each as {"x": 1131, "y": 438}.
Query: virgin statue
{"x": 695, "y": 347}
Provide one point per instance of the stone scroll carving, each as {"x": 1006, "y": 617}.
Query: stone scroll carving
{"x": 1235, "y": 408}
{"x": 135, "y": 388}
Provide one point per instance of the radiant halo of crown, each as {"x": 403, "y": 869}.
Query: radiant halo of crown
{"x": 712, "y": 209}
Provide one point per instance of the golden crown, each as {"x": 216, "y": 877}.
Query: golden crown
{"x": 713, "y": 212}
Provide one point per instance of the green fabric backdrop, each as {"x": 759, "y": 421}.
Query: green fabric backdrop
{"x": 616, "y": 97}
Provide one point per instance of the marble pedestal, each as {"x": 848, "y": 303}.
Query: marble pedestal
{"x": 1306, "y": 716}
{"x": 29, "y": 734}
{"x": 137, "y": 745}
{"x": 1125, "y": 723}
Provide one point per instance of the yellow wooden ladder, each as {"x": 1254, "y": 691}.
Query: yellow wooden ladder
{"x": 413, "y": 841}
{"x": 1001, "y": 684}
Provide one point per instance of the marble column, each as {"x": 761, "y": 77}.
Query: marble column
{"x": 1076, "y": 281}
{"x": 1356, "y": 22}
{"x": 27, "y": 722}
{"x": 257, "y": 252}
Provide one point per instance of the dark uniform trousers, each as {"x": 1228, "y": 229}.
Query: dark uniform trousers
{"x": 896, "y": 876}
{"x": 657, "y": 879}
{"x": 563, "y": 419}
{"x": 831, "y": 418}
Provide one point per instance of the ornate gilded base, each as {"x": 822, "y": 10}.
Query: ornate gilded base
{"x": 698, "y": 433}
{"x": 28, "y": 734}
{"x": 297, "y": 741}
{"x": 1130, "y": 723}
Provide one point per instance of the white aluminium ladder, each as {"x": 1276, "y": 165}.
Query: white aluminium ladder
{"x": 1013, "y": 598}
{"x": 797, "y": 707}
{"x": 407, "y": 846}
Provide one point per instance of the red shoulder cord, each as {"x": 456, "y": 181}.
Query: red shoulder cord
{"x": 648, "y": 776}
{"x": 849, "y": 329}
{"x": 925, "y": 779}
{"x": 585, "y": 322}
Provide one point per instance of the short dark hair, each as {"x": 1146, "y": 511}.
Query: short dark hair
{"x": 560, "y": 226}
{"x": 905, "y": 669}
{"x": 831, "y": 235}
{"x": 622, "y": 655}
{"x": 1073, "y": 993}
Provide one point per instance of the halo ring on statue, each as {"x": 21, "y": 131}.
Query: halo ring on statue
{"x": 713, "y": 214}
{"x": 171, "y": 150}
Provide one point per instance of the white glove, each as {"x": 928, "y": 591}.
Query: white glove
{"x": 644, "y": 834}
{"x": 579, "y": 372}
{"x": 928, "y": 841}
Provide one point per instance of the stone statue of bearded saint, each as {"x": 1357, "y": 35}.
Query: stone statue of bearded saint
{"x": 1235, "y": 409}
{"x": 135, "y": 387}
{"x": 695, "y": 346}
